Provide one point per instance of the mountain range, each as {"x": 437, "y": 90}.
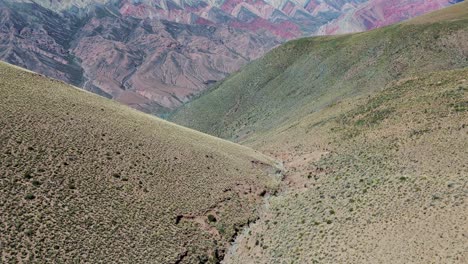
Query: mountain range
{"x": 157, "y": 55}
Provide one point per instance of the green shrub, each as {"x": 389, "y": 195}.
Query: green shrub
{"x": 29, "y": 196}
{"x": 211, "y": 218}
{"x": 28, "y": 175}
{"x": 36, "y": 183}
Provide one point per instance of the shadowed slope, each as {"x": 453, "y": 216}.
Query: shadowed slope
{"x": 84, "y": 178}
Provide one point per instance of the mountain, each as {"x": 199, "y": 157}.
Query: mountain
{"x": 83, "y": 178}
{"x": 354, "y": 152}
{"x": 157, "y": 55}
{"x": 378, "y": 13}
{"x": 306, "y": 75}
{"x": 371, "y": 129}
{"x": 151, "y": 65}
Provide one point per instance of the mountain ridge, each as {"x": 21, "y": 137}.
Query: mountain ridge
{"x": 281, "y": 85}
{"x": 354, "y": 150}
{"x": 157, "y": 55}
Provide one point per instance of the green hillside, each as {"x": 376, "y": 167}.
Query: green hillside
{"x": 85, "y": 179}
{"x": 372, "y": 132}
{"x": 305, "y": 75}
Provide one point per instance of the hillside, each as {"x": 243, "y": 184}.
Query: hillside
{"x": 285, "y": 19}
{"x": 83, "y": 178}
{"x": 148, "y": 64}
{"x": 303, "y": 76}
{"x": 376, "y": 180}
{"x": 371, "y": 129}
{"x": 157, "y": 55}
{"x": 355, "y": 150}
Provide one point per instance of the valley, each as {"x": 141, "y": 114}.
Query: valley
{"x": 373, "y": 153}
{"x": 158, "y": 55}
{"x": 362, "y": 186}
{"x": 329, "y": 149}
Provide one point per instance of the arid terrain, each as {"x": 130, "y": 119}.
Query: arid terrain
{"x": 84, "y": 178}
{"x": 377, "y": 180}
{"x": 331, "y": 149}
{"x": 373, "y": 148}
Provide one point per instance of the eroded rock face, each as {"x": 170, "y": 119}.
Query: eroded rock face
{"x": 379, "y": 13}
{"x": 143, "y": 62}
{"x": 156, "y": 55}
{"x": 148, "y": 63}
{"x": 38, "y": 39}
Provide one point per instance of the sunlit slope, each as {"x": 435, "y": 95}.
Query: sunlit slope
{"x": 85, "y": 179}
{"x": 381, "y": 179}
{"x": 305, "y": 75}
{"x": 372, "y": 131}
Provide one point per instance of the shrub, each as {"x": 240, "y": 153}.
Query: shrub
{"x": 211, "y": 218}
{"x": 28, "y": 232}
{"x": 29, "y": 196}
{"x": 36, "y": 183}
{"x": 27, "y": 175}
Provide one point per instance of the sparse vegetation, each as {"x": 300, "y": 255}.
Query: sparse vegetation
{"x": 369, "y": 130}
{"x": 375, "y": 185}
{"x": 369, "y": 126}
{"x": 91, "y": 186}
{"x": 307, "y": 75}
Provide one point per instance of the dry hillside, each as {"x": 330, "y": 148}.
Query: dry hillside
{"x": 305, "y": 75}
{"x": 372, "y": 130}
{"x": 368, "y": 133}
{"x": 379, "y": 179}
{"x": 85, "y": 179}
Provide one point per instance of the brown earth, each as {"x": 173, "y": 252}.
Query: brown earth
{"x": 85, "y": 178}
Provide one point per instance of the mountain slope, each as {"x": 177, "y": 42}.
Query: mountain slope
{"x": 157, "y": 55}
{"x": 285, "y": 18}
{"x": 372, "y": 132}
{"x": 306, "y": 75}
{"x": 381, "y": 179}
{"x": 85, "y": 179}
